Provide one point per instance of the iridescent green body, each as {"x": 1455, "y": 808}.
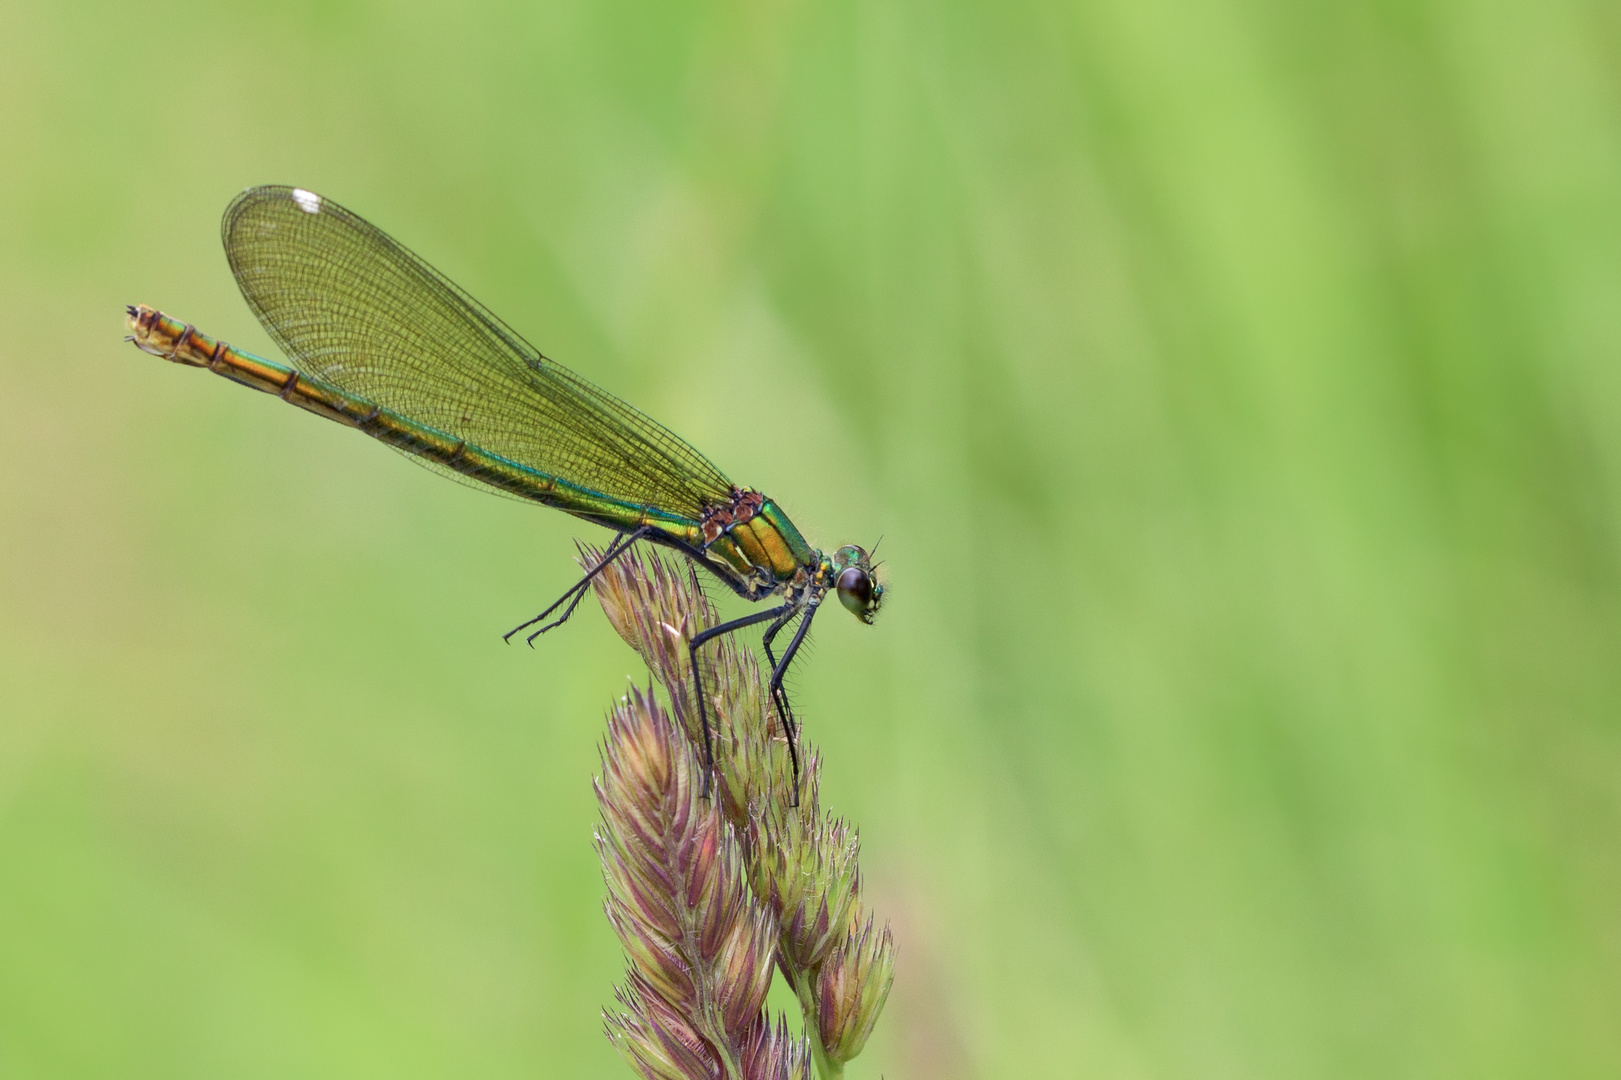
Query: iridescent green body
{"x": 382, "y": 342}
{"x": 758, "y": 555}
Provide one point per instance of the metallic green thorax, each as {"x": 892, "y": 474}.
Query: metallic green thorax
{"x": 751, "y": 544}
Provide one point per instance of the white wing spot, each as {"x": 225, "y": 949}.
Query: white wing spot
{"x": 308, "y": 201}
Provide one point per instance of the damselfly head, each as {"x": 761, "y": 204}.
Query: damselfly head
{"x": 857, "y": 585}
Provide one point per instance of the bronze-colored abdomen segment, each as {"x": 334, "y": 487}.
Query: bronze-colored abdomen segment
{"x": 726, "y": 552}
{"x": 158, "y": 334}
{"x": 749, "y": 544}
{"x": 784, "y": 547}
{"x": 767, "y": 543}
{"x": 772, "y": 546}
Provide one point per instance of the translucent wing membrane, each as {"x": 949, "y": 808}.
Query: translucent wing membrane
{"x": 353, "y": 308}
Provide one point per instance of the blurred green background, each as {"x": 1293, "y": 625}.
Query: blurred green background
{"x": 1235, "y": 387}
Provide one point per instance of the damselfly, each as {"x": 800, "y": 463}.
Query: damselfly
{"x": 382, "y": 342}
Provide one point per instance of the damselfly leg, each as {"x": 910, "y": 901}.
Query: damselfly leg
{"x": 620, "y": 545}
{"x": 779, "y": 613}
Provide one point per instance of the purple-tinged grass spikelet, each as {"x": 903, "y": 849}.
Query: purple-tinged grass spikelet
{"x": 777, "y": 862}
{"x": 851, "y": 986}
{"x": 655, "y": 1039}
{"x": 773, "y": 1053}
{"x": 657, "y": 606}
{"x": 701, "y": 948}
{"x": 804, "y": 865}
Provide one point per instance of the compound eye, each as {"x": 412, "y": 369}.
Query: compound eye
{"x": 855, "y": 590}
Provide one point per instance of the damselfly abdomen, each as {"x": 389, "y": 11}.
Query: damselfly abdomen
{"x": 384, "y": 343}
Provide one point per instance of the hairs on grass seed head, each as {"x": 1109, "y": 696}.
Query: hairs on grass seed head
{"x": 709, "y": 896}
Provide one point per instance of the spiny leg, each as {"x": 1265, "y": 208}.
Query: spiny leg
{"x": 770, "y": 635}
{"x": 620, "y": 545}
{"x": 698, "y": 678}
{"x": 579, "y": 595}
{"x": 779, "y": 698}
{"x": 779, "y": 695}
